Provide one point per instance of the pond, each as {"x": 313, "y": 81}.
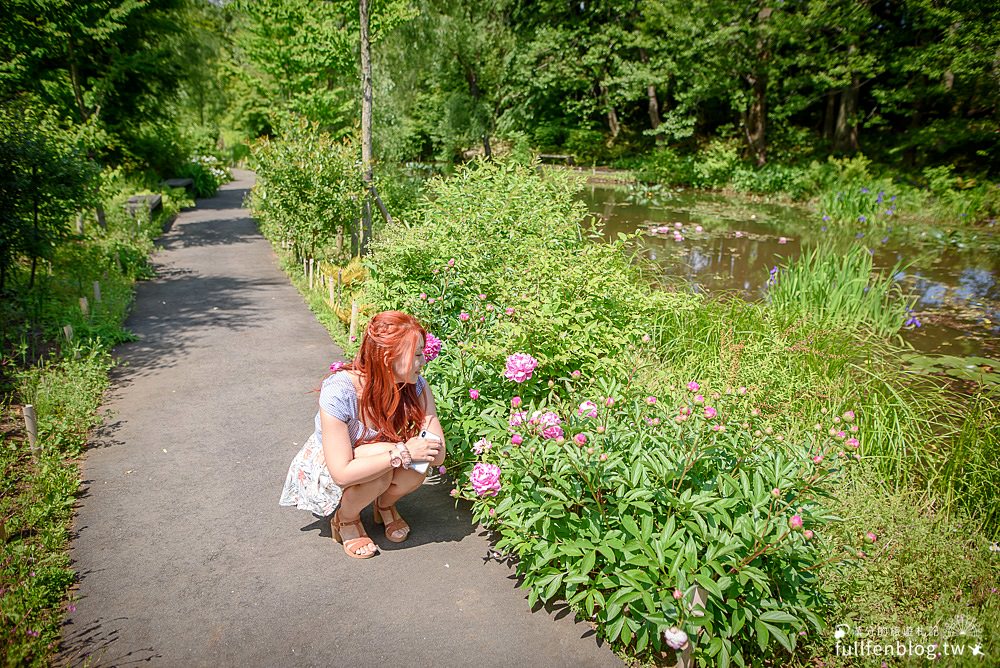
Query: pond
{"x": 724, "y": 245}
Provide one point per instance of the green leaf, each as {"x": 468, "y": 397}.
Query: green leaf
{"x": 778, "y": 616}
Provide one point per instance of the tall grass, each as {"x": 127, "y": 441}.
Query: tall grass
{"x": 838, "y": 290}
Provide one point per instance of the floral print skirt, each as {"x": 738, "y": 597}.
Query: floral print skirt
{"x": 308, "y": 485}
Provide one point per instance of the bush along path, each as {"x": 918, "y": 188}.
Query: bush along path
{"x": 184, "y": 556}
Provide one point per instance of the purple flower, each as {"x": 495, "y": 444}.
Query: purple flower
{"x": 485, "y": 479}
{"x": 865, "y": 191}
{"x": 772, "y": 277}
{"x": 520, "y": 367}
{"x": 862, "y": 219}
{"x": 432, "y": 347}
{"x": 337, "y": 366}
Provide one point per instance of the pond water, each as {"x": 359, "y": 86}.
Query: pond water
{"x": 728, "y": 246}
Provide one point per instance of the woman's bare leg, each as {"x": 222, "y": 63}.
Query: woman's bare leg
{"x": 353, "y": 501}
{"x": 403, "y": 482}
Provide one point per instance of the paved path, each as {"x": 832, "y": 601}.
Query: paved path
{"x": 185, "y": 557}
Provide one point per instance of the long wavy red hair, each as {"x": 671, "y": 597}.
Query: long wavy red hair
{"x": 392, "y": 408}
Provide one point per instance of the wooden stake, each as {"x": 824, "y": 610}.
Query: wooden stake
{"x": 84, "y": 307}
{"x": 97, "y": 292}
{"x": 305, "y": 267}
{"x": 68, "y": 333}
{"x": 311, "y": 273}
{"x": 31, "y": 425}
{"x": 354, "y": 318}
{"x": 329, "y": 284}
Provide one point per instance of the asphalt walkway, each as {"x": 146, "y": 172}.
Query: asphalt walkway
{"x": 185, "y": 557}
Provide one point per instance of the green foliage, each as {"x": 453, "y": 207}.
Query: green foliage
{"x": 207, "y": 172}
{"x": 838, "y": 290}
{"x": 308, "y": 187}
{"x": 926, "y": 568}
{"x": 46, "y": 180}
{"x": 36, "y": 504}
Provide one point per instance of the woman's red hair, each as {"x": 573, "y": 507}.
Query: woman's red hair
{"x": 391, "y": 408}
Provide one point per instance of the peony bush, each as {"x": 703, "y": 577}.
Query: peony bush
{"x": 660, "y": 520}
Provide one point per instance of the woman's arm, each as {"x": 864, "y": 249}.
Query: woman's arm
{"x": 431, "y": 422}
{"x": 345, "y": 466}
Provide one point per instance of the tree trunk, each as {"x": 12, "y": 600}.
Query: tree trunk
{"x": 756, "y": 120}
{"x": 487, "y": 149}
{"x": 845, "y": 138}
{"x": 74, "y": 77}
{"x": 366, "y": 128}
{"x": 654, "y": 104}
{"x": 831, "y": 115}
{"x": 613, "y": 124}
{"x": 755, "y": 124}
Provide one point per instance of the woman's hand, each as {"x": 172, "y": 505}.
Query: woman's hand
{"x": 423, "y": 449}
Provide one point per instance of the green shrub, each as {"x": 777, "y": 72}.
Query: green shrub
{"x": 208, "y": 173}
{"x": 308, "y": 188}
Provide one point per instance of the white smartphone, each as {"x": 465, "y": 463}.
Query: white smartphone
{"x": 422, "y": 466}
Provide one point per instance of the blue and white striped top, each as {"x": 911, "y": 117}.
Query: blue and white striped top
{"x": 339, "y": 399}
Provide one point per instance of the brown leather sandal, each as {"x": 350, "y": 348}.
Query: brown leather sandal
{"x": 397, "y": 523}
{"x": 352, "y": 544}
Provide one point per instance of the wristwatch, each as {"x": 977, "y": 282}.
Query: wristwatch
{"x": 394, "y": 459}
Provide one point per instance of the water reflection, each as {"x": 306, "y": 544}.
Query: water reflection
{"x": 720, "y": 247}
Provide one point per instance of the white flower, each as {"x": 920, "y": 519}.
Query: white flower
{"x": 675, "y": 637}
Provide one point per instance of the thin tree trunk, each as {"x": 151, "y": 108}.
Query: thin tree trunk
{"x": 613, "y": 124}
{"x": 846, "y": 132}
{"x": 756, "y": 120}
{"x": 366, "y": 127}
{"x": 487, "y": 149}
{"x": 831, "y": 115}
{"x": 74, "y": 77}
{"x": 654, "y": 104}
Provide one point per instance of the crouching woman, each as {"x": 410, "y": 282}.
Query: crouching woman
{"x": 366, "y": 446}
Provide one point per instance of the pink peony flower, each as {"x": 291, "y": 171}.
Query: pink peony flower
{"x": 581, "y": 439}
{"x": 651, "y": 400}
{"x": 489, "y": 307}
{"x": 451, "y": 262}
{"x": 849, "y": 416}
{"x": 520, "y": 366}
{"x": 517, "y": 418}
{"x": 698, "y": 399}
{"x": 553, "y": 432}
{"x": 710, "y": 412}
{"x": 431, "y": 300}
{"x": 454, "y": 492}
{"x": 481, "y": 446}
{"x": 741, "y": 391}
{"x": 678, "y": 594}
{"x": 853, "y": 442}
{"x": 600, "y": 429}
{"x": 432, "y": 347}
{"x": 473, "y": 394}
{"x": 509, "y": 310}
{"x": 577, "y": 373}
{"x": 693, "y": 386}
{"x": 603, "y": 457}
{"x": 795, "y": 522}
{"x": 337, "y": 366}
{"x": 609, "y": 401}
{"x": 485, "y": 479}
{"x": 587, "y": 409}
{"x": 463, "y": 316}
{"x": 840, "y": 436}
{"x": 871, "y": 537}
{"x": 515, "y": 402}
{"x": 776, "y": 492}
{"x": 675, "y": 637}
{"x": 817, "y": 459}
{"x": 423, "y": 296}
{"x": 482, "y": 297}
{"x": 718, "y": 427}
{"x": 516, "y": 439}
{"x": 442, "y": 470}
{"x": 854, "y": 428}
{"x": 808, "y": 534}
{"x": 684, "y": 410}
